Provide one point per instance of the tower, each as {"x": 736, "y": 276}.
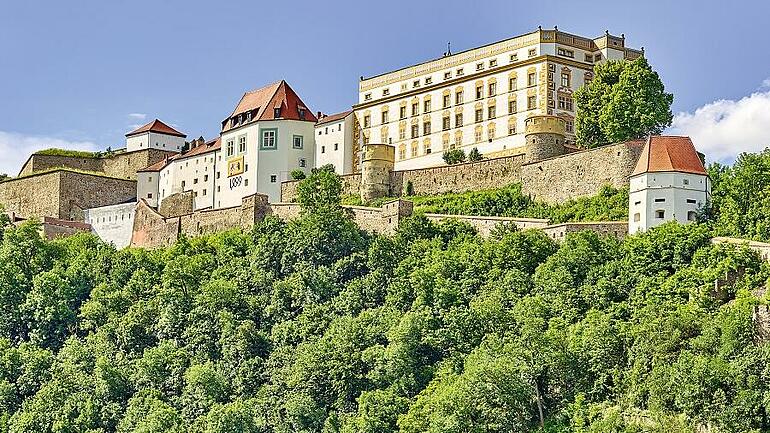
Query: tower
{"x": 669, "y": 183}
{"x": 377, "y": 163}
{"x": 544, "y": 137}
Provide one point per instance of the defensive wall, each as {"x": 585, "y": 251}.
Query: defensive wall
{"x": 552, "y": 180}
{"x": 123, "y": 165}
{"x": 63, "y": 194}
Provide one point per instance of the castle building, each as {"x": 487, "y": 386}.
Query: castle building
{"x": 155, "y": 135}
{"x": 669, "y": 183}
{"x": 480, "y": 97}
{"x": 268, "y": 134}
{"x": 334, "y": 143}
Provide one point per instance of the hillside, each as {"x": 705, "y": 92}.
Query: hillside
{"x": 315, "y": 326}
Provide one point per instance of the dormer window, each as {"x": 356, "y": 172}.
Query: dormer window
{"x": 234, "y": 121}
{"x": 248, "y": 116}
{"x": 277, "y": 112}
{"x": 302, "y": 114}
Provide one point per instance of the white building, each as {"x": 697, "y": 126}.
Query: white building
{"x": 113, "y": 224}
{"x": 480, "y": 97}
{"x": 669, "y": 183}
{"x": 269, "y": 134}
{"x": 155, "y": 135}
{"x": 334, "y": 143}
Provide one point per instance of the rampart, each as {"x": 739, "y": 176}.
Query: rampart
{"x": 552, "y": 180}
{"x": 63, "y": 194}
{"x": 123, "y": 165}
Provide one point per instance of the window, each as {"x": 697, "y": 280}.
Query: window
{"x": 512, "y": 84}
{"x": 302, "y": 162}
{"x": 402, "y": 152}
{"x": 511, "y": 129}
{"x": 149, "y": 195}
{"x": 428, "y": 80}
{"x": 637, "y": 217}
{"x": 512, "y": 106}
{"x": 297, "y": 142}
{"x": 368, "y": 97}
{"x": 385, "y": 92}
{"x": 415, "y": 131}
{"x": 532, "y": 52}
{"x": 514, "y": 58}
{"x": 367, "y": 120}
{"x": 415, "y": 109}
{"x": 691, "y": 201}
{"x": 384, "y": 117}
{"x": 531, "y": 79}
{"x": 447, "y": 100}
{"x": 323, "y": 149}
{"x": 491, "y": 132}
{"x": 684, "y": 181}
{"x": 660, "y": 214}
{"x": 230, "y": 147}
{"x": 277, "y": 112}
{"x": 492, "y": 89}
{"x": 493, "y": 63}
{"x": 402, "y": 112}
{"x": 195, "y": 181}
{"x": 416, "y": 83}
{"x": 479, "y": 115}
{"x": 402, "y": 132}
{"x": 426, "y": 128}
{"x": 273, "y": 178}
{"x": 301, "y": 116}
{"x": 426, "y": 106}
{"x": 336, "y": 146}
{"x": 565, "y": 79}
{"x": 445, "y": 124}
{"x": 589, "y": 58}
{"x": 660, "y": 200}
{"x": 205, "y": 177}
{"x": 569, "y": 126}
{"x": 531, "y": 102}
{"x": 459, "y": 97}
{"x": 149, "y": 179}
{"x": 458, "y": 120}
{"x": 219, "y": 174}
{"x": 269, "y": 140}
{"x": 597, "y": 57}
{"x": 692, "y": 215}
{"x": 183, "y": 183}
{"x": 566, "y": 53}
{"x": 565, "y": 102}
{"x": 491, "y": 112}
{"x": 479, "y": 91}
{"x": 477, "y": 134}
{"x": 479, "y": 66}
{"x": 427, "y": 147}
{"x": 241, "y": 144}
{"x": 414, "y": 149}
{"x": 458, "y": 140}
{"x": 460, "y": 72}
{"x": 447, "y": 75}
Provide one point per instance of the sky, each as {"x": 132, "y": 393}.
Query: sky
{"x": 81, "y": 73}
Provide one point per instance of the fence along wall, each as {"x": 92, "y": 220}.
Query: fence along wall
{"x": 553, "y": 180}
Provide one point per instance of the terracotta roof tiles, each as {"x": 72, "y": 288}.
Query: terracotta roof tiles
{"x": 334, "y": 117}
{"x": 263, "y": 102}
{"x": 669, "y": 153}
{"x": 156, "y": 126}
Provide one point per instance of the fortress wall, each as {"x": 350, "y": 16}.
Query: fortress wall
{"x": 123, "y": 165}
{"x": 37, "y": 163}
{"x": 79, "y": 192}
{"x": 618, "y": 229}
{"x": 485, "y": 224}
{"x": 351, "y": 185}
{"x": 580, "y": 174}
{"x": 34, "y": 196}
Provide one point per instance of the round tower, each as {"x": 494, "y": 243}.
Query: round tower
{"x": 377, "y": 163}
{"x": 544, "y": 136}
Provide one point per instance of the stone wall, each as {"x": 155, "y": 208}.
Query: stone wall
{"x": 123, "y": 165}
{"x": 63, "y": 194}
{"x": 485, "y": 224}
{"x": 618, "y": 229}
{"x": 580, "y": 174}
{"x": 553, "y": 180}
{"x": 177, "y": 204}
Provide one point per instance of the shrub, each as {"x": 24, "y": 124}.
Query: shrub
{"x": 298, "y": 174}
{"x": 454, "y": 156}
{"x": 474, "y": 155}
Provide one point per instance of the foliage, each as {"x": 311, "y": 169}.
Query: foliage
{"x": 298, "y": 174}
{"x": 68, "y": 152}
{"x": 4, "y": 177}
{"x": 314, "y": 326}
{"x": 474, "y": 155}
{"x": 454, "y": 156}
{"x": 624, "y": 101}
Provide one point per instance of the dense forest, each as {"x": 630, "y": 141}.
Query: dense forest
{"x": 316, "y": 326}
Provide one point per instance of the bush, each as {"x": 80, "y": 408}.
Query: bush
{"x": 454, "y": 156}
{"x": 298, "y": 174}
{"x": 474, "y": 155}
{"x": 67, "y": 152}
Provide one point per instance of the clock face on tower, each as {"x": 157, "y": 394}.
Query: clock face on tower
{"x": 235, "y": 166}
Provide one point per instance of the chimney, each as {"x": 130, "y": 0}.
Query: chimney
{"x": 318, "y": 115}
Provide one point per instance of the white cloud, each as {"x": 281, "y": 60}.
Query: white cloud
{"x": 725, "y": 128}
{"x": 15, "y": 148}
{"x": 139, "y": 116}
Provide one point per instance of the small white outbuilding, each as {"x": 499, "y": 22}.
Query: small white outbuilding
{"x": 669, "y": 183}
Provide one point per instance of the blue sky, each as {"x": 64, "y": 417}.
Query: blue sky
{"x": 82, "y": 73}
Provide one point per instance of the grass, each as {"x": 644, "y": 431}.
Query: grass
{"x": 66, "y": 152}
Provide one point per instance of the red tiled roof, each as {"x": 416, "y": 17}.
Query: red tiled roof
{"x": 156, "y": 126}
{"x": 209, "y": 146}
{"x": 263, "y": 101}
{"x": 333, "y": 117}
{"x": 669, "y": 153}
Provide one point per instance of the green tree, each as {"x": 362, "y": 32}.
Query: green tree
{"x": 624, "y": 100}
{"x": 474, "y": 155}
{"x": 454, "y": 156}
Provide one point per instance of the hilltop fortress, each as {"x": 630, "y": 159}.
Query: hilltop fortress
{"x": 512, "y": 100}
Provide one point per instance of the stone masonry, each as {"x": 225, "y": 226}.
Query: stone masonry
{"x": 123, "y": 165}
